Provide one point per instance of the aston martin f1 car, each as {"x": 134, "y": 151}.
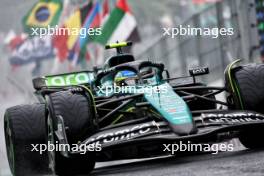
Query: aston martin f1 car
{"x": 129, "y": 109}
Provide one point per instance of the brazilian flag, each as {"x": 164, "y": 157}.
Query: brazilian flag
{"x": 42, "y": 14}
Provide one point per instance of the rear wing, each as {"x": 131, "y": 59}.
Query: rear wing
{"x": 64, "y": 80}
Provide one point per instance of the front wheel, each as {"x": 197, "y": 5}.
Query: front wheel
{"x": 249, "y": 138}
{"x": 247, "y": 87}
{"x": 76, "y": 111}
{"x": 24, "y": 126}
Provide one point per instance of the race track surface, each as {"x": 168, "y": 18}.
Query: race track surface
{"x": 238, "y": 163}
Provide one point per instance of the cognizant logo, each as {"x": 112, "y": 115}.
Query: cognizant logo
{"x": 122, "y": 134}
{"x": 66, "y": 80}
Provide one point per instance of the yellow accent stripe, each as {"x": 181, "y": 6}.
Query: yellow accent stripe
{"x": 157, "y": 114}
{"x": 229, "y": 73}
{"x": 120, "y": 116}
{"x": 53, "y": 7}
{"x": 116, "y": 45}
{"x": 90, "y": 92}
{"x": 233, "y": 85}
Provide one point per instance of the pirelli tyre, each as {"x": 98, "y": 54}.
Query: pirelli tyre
{"x": 76, "y": 111}
{"x": 249, "y": 88}
{"x": 24, "y": 126}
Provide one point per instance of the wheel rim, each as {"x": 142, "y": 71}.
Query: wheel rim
{"x": 9, "y": 145}
{"x": 51, "y": 154}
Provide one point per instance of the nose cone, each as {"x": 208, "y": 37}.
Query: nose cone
{"x": 183, "y": 129}
{"x": 173, "y": 109}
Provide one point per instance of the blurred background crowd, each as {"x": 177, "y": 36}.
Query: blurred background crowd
{"x": 24, "y": 56}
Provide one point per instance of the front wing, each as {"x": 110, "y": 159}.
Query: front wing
{"x": 211, "y": 127}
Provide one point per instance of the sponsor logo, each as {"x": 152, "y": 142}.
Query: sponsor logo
{"x": 42, "y": 14}
{"x": 67, "y": 80}
{"x": 233, "y": 117}
{"x": 199, "y": 71}
{"x": 115, "y": 89}
{"x": 123, "y": 134}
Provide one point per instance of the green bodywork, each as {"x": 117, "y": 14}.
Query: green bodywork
{"x": 69, "y": 79}
{"x": 170, "y": 105}
{"x": 159, "y": 94}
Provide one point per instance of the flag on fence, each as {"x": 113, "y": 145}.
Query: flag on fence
{"x": 79, "y": 53}
{"x": 66, "y": 42}
{"x": 76, "y": 22}
{"x": 32, "y": 50}
{"x": 121, "y": 25}
{"x": 43, "y": 14}
{"x": 105, "y": 12}
{"x": 92, "y": 21}
{"x": 117, "y": 25}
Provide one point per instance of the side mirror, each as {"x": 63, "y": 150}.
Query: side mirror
{"x": 165, "y": 74}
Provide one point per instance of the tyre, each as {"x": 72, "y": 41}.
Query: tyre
{"x": 25, "y": 125}
{"x": 249, "y": 82}
{"x": 76, "y": 111}
{"x": 249, "y": 138}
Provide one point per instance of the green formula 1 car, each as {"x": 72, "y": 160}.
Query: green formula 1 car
{"x": 129, "y": 109}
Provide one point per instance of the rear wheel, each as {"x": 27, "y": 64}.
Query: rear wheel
{"x": 248, "y": 83}
{"x": 76, "y": 111}
{"x": 24, "y": 126}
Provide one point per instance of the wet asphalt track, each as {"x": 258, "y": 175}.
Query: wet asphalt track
{"x": 238, "y": 163}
